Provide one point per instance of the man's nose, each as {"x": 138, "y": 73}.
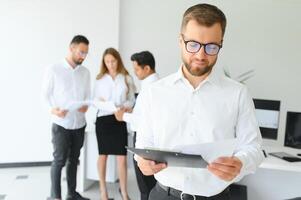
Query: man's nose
{"x": 201, "y": 53}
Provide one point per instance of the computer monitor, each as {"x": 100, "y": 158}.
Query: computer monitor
{"x": 267, "y": 114}
{"x": 293, "y": 130}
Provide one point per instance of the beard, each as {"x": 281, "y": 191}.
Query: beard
{"x": 77, "y": 61}
{"x": 199, "y": 71}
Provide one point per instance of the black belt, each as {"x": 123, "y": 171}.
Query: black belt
{"x": 183, "y": 196}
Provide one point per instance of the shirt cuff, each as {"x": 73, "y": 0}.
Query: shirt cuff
{"x": 243, "y": 170}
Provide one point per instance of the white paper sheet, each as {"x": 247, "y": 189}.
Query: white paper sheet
{"x": 210, "y": 151}
{"x": 75, "y": 105}
{"x": 105, "y": 105}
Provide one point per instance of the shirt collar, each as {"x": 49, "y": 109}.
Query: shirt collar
{"x": 118, "y": 76}
{"x": 68, "y": 66}
{"x": 151, "y": 78}
{"x": 212, "y": 78}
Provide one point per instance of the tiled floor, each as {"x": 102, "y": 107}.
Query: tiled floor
{"x": 33, "y": 183}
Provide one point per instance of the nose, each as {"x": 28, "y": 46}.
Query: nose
{"x": 201, "y": 53}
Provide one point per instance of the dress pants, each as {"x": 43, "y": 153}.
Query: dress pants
{"x": 66, "y": 145}
{"x": 145, "y": 183}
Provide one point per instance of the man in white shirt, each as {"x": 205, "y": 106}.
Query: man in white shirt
{"x": 67, "y": 83}
{"x": 195, "y": 106}
{"x": 144, "y": 68}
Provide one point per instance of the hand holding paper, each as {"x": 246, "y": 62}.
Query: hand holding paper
{"x": 149, "y": 167}
{"x": 220, "y": 157}
{"x": 58, "y": 112}
{"x": 226, "y": 168}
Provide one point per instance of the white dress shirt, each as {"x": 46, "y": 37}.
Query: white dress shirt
{"x": 133, "y": 117}
{"x": 63, "y": 85}
{"x": 120, "y": 91}
{"x": 174, "y": 113}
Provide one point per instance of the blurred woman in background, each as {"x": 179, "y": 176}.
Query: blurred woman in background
{"x": 113, "y": 86}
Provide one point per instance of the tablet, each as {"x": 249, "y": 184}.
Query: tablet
{"x": 173, "y": 159}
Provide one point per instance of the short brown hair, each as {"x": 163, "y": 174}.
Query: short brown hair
{"x": 79, "y": 39}
{"x": 204, "y": 14}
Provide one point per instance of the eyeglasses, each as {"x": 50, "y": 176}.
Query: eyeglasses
{"x": 82, "y": 54}
{"x": 210, "y": 49}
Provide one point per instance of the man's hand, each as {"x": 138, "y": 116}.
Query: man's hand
{"x": 149, "y": 167}
{"x": 58, "y": 112}
{"x": 83, "y": 109}
{"x": 119, "y": 114}
{"x": 226, "y": 168}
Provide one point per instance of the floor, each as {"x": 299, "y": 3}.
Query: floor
{"x": 33, "y": 183}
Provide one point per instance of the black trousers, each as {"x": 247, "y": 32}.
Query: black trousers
{"x": 158, "y": 193}
{"x": 145, "y": 183}
{"x": 66, "y": 145}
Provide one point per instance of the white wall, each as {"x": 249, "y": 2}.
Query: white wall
{"x": 260, "y": 35}
{"x": 35, "y": 34}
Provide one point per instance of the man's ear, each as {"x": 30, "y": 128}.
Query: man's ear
{"x": 147, "y": 68}
{"x": 71, "y": 47}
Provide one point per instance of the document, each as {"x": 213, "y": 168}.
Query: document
{"x": 75, "y": 105}
{"x": 105, "y": 105}
{"x": 210, "y": 151}
{"x": 171, "y": 158}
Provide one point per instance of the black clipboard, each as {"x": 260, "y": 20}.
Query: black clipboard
{"x": 173, "y": 159}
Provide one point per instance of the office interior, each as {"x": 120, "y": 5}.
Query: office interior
{"x": 260, "y": 49}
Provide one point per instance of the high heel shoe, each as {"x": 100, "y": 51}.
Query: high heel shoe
{"x": 121, "y": 194}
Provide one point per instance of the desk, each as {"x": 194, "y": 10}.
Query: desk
{"x": 275, "y": 178}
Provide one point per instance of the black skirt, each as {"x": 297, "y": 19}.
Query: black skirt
{"x": 111, "y": 136}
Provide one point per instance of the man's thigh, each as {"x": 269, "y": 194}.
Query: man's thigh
{"x": 61, "y": 142}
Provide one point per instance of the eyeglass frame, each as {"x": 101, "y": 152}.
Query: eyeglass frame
{"x": 82, "y": 54}
{"x": 201, "y": 45}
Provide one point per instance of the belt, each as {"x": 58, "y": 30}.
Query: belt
{"x": 184, "y": 196}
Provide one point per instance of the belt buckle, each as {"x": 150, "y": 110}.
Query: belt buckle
{"x": 182, "y": 194}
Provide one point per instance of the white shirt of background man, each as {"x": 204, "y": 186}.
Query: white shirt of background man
{"x": 63, "y": 85}
{"x": 133, "y": 118}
